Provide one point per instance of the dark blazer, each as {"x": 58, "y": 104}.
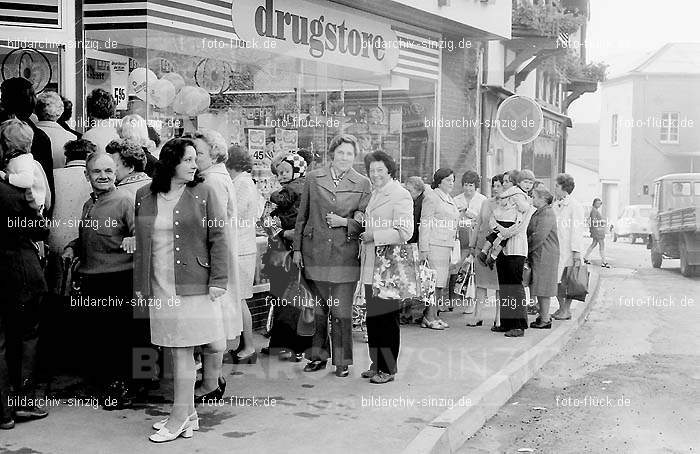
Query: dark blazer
{"x": 22, "y": 275}
{"x": 331, "y": 254}
{"x": 200, "y": 249}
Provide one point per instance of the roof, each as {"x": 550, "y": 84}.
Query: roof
{"x": 680, "y": 176}
{"x": 672, "y": 58}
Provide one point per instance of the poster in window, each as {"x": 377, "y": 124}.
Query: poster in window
{"x": 256, "y": 143}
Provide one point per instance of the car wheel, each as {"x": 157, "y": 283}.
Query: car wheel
{"x": 687, "y": 270}
{"x": 615, "y": 237}
{"x": 656, "y": 259}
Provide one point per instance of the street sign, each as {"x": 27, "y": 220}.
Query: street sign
{"x": 519, "y": 119}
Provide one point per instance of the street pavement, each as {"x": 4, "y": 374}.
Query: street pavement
{"x": 274, "y": 406}
{"x": 628, "y": 382}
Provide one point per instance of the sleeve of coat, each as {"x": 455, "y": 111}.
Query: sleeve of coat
{"x": 303, "y": 215}
{"x": 129, "y": 218}
{"x": 577, "y": 222}
{"x": 520, "y": 225}
{"x": 541, "y": 228}
{"x": 402, "y": 223}
{"x": 216, "y": 239}
{"x": 426, "y": 216}
{"x": 354, "y": 227}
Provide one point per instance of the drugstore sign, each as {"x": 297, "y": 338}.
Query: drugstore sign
{"x": 301, "y": 29}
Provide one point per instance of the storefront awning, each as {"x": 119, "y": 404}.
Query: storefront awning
{"x": 31, "y": 13}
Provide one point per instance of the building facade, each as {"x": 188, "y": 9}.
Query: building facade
{"x": 649, "y": 125}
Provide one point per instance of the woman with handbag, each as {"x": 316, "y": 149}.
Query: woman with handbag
{"x": 438, "y": 240}
{"x": 388, "y": 221}
{"x": 485, "y": 277}
{"x": 543, "y": 255}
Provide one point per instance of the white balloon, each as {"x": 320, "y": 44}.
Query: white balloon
{"x": 174, "y": 78}
{"x": 139, "y": 80}
{"x": 161, "y": 93}
{"x": 204, "y": 100}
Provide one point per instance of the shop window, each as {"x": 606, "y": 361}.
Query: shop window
{"x": 669, "y": 127}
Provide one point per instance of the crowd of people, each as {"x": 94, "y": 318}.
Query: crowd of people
{"x": 168, "y": 232}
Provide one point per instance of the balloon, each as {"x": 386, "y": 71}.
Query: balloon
{"x": 161, "y": 93}
{"x": 174, "y": 78}
{"x": 191, "y": 101}
{"x": 139, "y": 80}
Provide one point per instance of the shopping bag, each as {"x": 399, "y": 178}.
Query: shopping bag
{"x": 576, "y": 282}
{"x": 470, "y": 291}
{"x": 359, "y": 307}
{"x": 527, "y": 274}
{"x": 298, "y": 295}
{"x": 428, "y": 282}
{"x": 395, "y": 274}
{"x": 463, "y": 275}
{"x": 456, "y": 253}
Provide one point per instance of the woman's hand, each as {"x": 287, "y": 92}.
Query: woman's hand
{"x": 334, "y": 221}
{"x": 297, "y": 259}
{"x": 367, "y": 237}
{"x": 216, "y": 292}
{"x": 129, "y": 244}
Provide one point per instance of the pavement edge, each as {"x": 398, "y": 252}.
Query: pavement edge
{"x": 447, "y": 432}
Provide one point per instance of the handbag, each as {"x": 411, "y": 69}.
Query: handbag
{"x": 576, "y": 282}
{"x": 395, "y": 274}
{"x": 462, "y": 277}
{"x": 428, "y": 283}
{"x": 471, "y": 284}
{"x": 359, "y": 307}
{"x": 527, "y": 274}
{"x": 298, "y": 291}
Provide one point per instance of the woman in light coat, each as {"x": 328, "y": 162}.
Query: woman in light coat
{"x": 438, "y": 233}
{"x": 211, "y": 156}
{"x": 570, "y": 221}
{"x": 388, "y": 220}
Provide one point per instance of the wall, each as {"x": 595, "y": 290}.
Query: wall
{"x": 587, "y": 183}
{"x": 615, "y": 160}
{"x": 651, "y": 158}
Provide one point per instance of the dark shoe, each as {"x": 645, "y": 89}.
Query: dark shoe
{"x": 265, "y": 351}
{"x": 515, "y": 333}
{"x": 537, "y": 324}
{"x": 313, "y": 366}
{"x": 342, "y": 371}
{"x": 498, "y": 329}
{"x": 29, "y": 413}
{"x": 248, "y": 359}
{"x": 7, "y": 424}
{"x": 297, "y": 358}
{"x": 369, "y": 373}
{"x": 116, "y": 396}
{"x": 284, "y": 355}
{"x": 586, "y": 261}
{"x": 605, "y": 265}
{"x": 215, "y": 395}
{"x": 479, "y": 323}
{"x": 381, "y": 378}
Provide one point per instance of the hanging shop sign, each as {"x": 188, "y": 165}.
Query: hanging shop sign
{"x": 300, "y": 29}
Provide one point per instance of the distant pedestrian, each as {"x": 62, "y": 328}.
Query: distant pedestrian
{"x": 596, "y": 227}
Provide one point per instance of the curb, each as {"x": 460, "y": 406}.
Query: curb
{"x": 447, "y": 432}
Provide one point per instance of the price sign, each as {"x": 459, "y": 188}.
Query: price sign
{"x": 120, "y": 78}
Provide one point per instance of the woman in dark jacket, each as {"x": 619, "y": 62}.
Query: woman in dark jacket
{"x": 543, "y": 254}
{"x": 180, "y": 234}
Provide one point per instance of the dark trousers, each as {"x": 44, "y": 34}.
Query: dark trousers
{"x": 336, "y": 299}
{"x": 383, "y": 332}
{"x": 19, "y": 335}
{"x": 117, "y": 332}
{"x": 512, "y": 292}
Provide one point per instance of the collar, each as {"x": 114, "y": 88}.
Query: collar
{"x": 350, "y": 174}
{"x": 133, "y": 178}
{"x": 106, "y": 196}
{"x": 445, "y": 197}
{"x": 48, "y": 124}
{"x": 336, "y": 175}
{"x": 219, "y": 169}
{"x": 565, "y": 201}
{"x": 75, "y": 163}
{"x": 387, "y": 188}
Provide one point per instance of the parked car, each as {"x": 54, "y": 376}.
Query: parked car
{"x": 676, "y": 221}
{"x": 633, "y": 223}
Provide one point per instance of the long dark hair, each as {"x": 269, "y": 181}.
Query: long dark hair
{"x": 170, "y": 157}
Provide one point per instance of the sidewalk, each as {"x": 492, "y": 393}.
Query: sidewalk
{"x": 298, "y": 412}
